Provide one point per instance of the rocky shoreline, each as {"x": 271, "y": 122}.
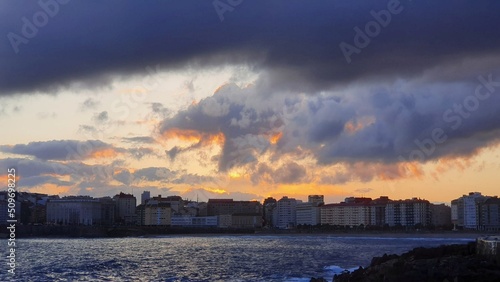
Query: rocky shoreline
{"x": 445, "y": 263}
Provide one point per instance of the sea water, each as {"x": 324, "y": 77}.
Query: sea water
{"x": 202, "y": 258}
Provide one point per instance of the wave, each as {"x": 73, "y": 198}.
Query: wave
{"x": 335, "y": 269}
{"x": 405, "y": 238}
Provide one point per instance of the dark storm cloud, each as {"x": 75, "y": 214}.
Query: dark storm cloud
{"x": 297, "y": 42}
{"x": 384, "y": 123}
{"x": 31, "y": 168}
{"x": 160, "y": 174}
{"x": 228, "y": 112}
{"x": 57, "y": 149}
{"x": 159, "y": 110}
{"x": 288, "y": 173}
{"x": 41, "y": 180}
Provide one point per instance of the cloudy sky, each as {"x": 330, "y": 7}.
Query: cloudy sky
{"x": 248, "y": 99}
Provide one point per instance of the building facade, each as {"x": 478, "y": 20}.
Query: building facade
{"x": 466, "y": 210}
{"x": 229, "y": 206}
{"x": 157, "y": 213}
{"x": 125, "y": 208}
{"x": 285, "y": 213}
{"x": 408, "y": 213}
{"x": 81, "y": 210}
{"x": 490, "y": 214}
{"x": 440, "y": 215}
{"x": 352, "y": 212}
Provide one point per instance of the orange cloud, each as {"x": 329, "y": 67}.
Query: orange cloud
{"x": 4, "y": 179}
{"x": 216, "y": 190}
{"x": 189, "y": 135}
{"x": 51, "y": 189}
{"x": 275, "y": 138}
{"x": 235, "y": 175}
{"x": 353, "y": 126}
{"x": 104, "y": 153}
{"x": 183, "y": 134}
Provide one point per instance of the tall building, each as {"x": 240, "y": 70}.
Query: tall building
{"x": 408, "y": 212}
{"x": 472, "y": 210}
{"x": 285, "y": 213}
{"x": 140, "y": 214}
{"x": 107, "y": 210}
{"x": 125, "y": 208}
{"x": 309, "y": 213}
{"x": 377, "y": 211}
{"x": 267, "y": 210}
{"x": 490, "y": 214}
{"x": 229, "y": 206}
{"x": 145, "y": 196}
{"x": 466, "y": 210}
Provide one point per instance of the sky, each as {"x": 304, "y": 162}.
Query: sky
{"x": 250, "y": 99}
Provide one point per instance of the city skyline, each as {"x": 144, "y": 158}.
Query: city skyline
{"x": 473, "y": 211}
{"x": 217, "y": 105}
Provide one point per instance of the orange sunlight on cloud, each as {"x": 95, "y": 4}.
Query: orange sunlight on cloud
{"x": 194, "y": 136}
{"x": 275, "y": 138}
{"x": 50, "y": 189}
{"x": 105, "y": 153}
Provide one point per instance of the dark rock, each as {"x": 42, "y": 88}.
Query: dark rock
{"x": 444, "y": 263}
{"x": 320, "y": 279}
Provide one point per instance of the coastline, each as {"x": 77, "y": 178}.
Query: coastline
{"x": 45, "y": 231}
{"x": 459, "y": 262}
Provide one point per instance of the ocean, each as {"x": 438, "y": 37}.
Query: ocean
{"x": 203, "y": 258}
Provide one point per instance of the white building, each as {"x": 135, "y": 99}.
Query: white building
{"x": 285, "y": 213}
{"x": 308, "y": 213}
{"x": 471, "y": 208}
{"x": 345, "y": 214}
{"x": 81, "y": 210}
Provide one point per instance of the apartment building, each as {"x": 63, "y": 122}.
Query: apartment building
{"x": 157, "y": 213}
{"x": 351, "y": 212}
{"x": 408, "y": 212}
{"x": 125, "y": 208}
{"x": 74, "y": 210}
{"x": 284, "y": 215}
